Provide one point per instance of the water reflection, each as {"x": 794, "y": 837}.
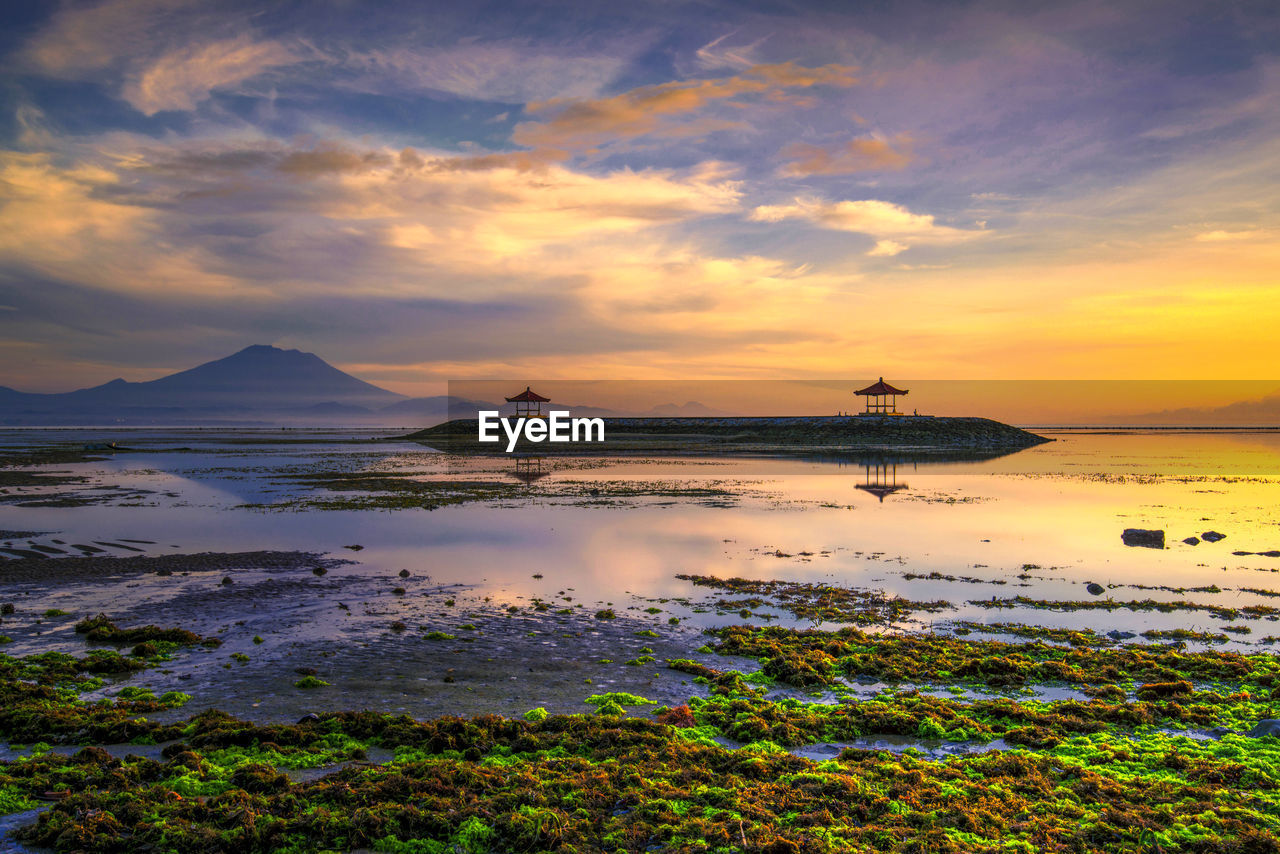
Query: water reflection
{"x": 881, "y": 479}
{"x": 528, "y": 469}
{"x": 1040, "y": 523}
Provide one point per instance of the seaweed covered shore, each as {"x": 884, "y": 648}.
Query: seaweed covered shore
{"x": 1167, "y": 750}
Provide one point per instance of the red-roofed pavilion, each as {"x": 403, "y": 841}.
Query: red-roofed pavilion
{"x": 882, "y": 398}
{"x": 528, "y": 403}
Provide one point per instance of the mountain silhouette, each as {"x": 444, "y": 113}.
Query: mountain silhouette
{"x": 259, "y": 383}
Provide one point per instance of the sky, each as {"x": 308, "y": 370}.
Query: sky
{"x": 425, "y": 191}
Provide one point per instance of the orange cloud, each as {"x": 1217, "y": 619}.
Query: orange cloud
{"x": 879, "y": 219}
{"x": 662, "y": 109}
{"x": 858, "y": 155}
{"x": 1221, "y": 236}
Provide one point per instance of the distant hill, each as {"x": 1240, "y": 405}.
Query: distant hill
{"x": 258, "y": 384}
{"x": 1264, "y": 412}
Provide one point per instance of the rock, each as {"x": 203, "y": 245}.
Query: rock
{"x": 226, "y": 579}
{"x": 1212, "y": 536}
{"x": 1220, "y": 731}
{"x": 1143, "y": 538}
{"x": 355, "y": 547}
{"x": 1192, "y": 541}
{"x": 319, "y": 570}
{"x": 1095, "y": 588}
{"x": 1116, "y": 634}
{"x": 1268, "y": 726}
{"x": 404, "y": 573}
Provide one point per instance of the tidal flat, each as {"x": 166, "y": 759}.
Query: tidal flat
{"x": 266, "y": 640}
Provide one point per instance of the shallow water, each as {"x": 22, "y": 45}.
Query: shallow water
{"x": 1060, "y": 506}
{"x": 1040, "y": 523}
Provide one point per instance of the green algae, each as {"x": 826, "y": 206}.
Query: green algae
{"x": 1248, "y": 612}
{"x": 101, "y": 629}
{"x": 812, "y": 657}
{"x": 574, "y": 783}
{"x": 1072, "y": 775}
{"x": 817, "y": 602}
{"x": 311, "y": 682}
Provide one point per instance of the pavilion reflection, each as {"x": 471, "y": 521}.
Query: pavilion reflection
{"x": 881, "y": 473}
{"x": 881, "y": 479}
{"x": 529, "y": 470}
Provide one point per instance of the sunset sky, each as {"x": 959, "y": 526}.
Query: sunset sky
{"x": 425, "y": 191}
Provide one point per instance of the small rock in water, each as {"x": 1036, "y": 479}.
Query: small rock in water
{"x": 1095, "y": 588}
{"x": 1220, "y": 731}
{"x": 309, "y": 718}
{"x": 404, "y": 573}
{"x": 1143, "y": 538}
{"x": 1268, "y": 726}
{"x": 226, "y": 579}
{"x": 354, "y": 547}
{"x": 1192, "y": 541}
{"x": 319, "y": 570}
{"x": 1212, "y": 536}
{"x": 1116, "y": 634}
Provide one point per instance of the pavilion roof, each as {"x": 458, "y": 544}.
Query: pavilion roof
{"x": 528, "y": 396}
{"x": 879, "y": 388}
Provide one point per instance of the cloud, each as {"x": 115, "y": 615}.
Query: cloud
{"x": 162, "y": 54}
{"x": 508, "y": 71}
{"x": 667, "y": 110}
{"x": 715, "y": 54}
{"x": 276, "y": 218}
{"x": 887, "y": 249}
{"x": 82, "y": 39}
{"x": 879, "y": 219}
{"x": 1230, "y": 236}
{"x": 864, "y": 154}
{"x": 182, "y": 78}
{"x": 70, "y": 222}
{"x": 606, "y": 265}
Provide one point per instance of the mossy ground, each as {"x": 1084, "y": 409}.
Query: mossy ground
{"x": 1071, "y": 775}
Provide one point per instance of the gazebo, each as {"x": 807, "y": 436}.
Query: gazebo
{"x": 881, "y": 398}
{"x": 528, "y": 403}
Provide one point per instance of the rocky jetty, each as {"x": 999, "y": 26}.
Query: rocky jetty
{"x": 922, "y": 435}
